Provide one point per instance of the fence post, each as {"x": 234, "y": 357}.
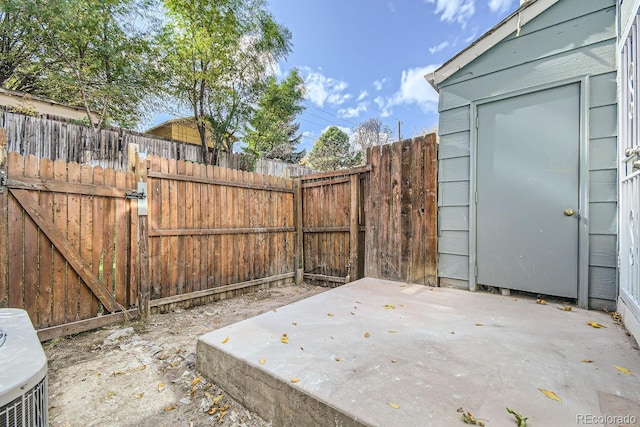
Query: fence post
{"x": 3, "y": 220}
{"x": 144, "y": 292}
{"x": 354, "y": 227}
{"x": 297, "y": 214}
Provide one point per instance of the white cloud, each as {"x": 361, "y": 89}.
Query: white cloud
{"x": 438, "y": 48}
{"x": 349, "y": 113}
{"x": 499, "y": 6}
{"x": 362, "y": 95}
{"x": 459, "y": 11}
{"x": 414, "y": 90}
{"x": 378, "y": 84}
{"x": 321, "y": 89}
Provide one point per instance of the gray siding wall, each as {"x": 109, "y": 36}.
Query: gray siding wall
{"x": 573, "y": 38}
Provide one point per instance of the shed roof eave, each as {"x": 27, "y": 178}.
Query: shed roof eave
{"x": 512, "y": 23}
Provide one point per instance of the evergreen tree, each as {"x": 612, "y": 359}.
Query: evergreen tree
{"x": 332, "y": 151}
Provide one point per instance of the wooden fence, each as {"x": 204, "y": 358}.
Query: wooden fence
{"x": 65, "y": 241}
{"x": 332, "y": 227}
{"x": 213, "y": 229}
{"x": 83, "y": 246}
{"x": 401, "y": 206}
{"x": 64, "y": 139}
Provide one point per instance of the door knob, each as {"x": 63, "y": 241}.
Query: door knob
{"x": 569, "y": 212}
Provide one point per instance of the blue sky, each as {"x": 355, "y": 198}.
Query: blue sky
{"x": 364, "y": 59}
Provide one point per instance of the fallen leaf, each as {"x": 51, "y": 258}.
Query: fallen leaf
{"x": 565, "y": 308}
{"x": 284, "y": 339}
{"x": 479, "y": 324}
{"x": 468, "y": 418}
{"x": 587, "y": 361}
{"x": 358, "y": 302}
{"x": 393, "y": 332}
{"x": 218, "y": 399}
{"x": 550, "y": 394}
{"x": 116, "y": 373}
{"x": 262, "y": 361}
{"x": 367, "y": 334}
{"x": 226, "y": 340}
{"x": 352, "y": 313}
{"x": 196, "y": 380}
{"x": 160, "y": 386}
{"x": 143, "y": 367}
{"x": 139, "y": 395}
{"x": 394, "y": 405}
{"x": 401, "y": 305}
{"x": 294, "y": 323}
{"x": 393, "y": 360}
{"x": 389, "y": 307}
{"x": 337, "y": 359}
{"x": 169, "y": 408}
{"x": 522, "y": 421}
{"x": 330, "y": 314}
{"x": 193, "y": 390}
{"x": 111, "y": 394}
{"x": 623, "y": 370}
{"x": 616, "y": 316}
{"x": 295, "y": 380}
{"x": 541, "y": 301}
{"x": 595, "y": 324}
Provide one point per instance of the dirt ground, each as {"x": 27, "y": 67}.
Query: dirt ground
{"x": 143, "y": 373}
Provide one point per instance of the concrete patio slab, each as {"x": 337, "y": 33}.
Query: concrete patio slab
{"x": 361, "y": 349}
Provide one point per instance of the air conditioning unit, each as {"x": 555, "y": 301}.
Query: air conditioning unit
{"x": 23, "y": 372}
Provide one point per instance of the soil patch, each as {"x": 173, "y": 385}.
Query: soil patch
{"x": 143, "y": 373}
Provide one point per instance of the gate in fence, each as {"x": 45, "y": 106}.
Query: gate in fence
{"x": 67, "y": 251}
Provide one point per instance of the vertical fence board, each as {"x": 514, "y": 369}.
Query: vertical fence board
{"x": 45, "y": 253}
{"x": 59, "y": 263}
{"x": 15, "y": 223}
{"x": 122, "y": 231}
{"x": 97, "y": 234}
{"x": 31, "y": 264}
{"x": 4, "y": 285}
{"x": 165, "y": 223}
{"x": 86, "y": 241}
{"x": 190, "y": 265}
{"x": 109, "y": 212}
{"x": 418, "y": 213}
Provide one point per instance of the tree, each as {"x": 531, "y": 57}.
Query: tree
{"x": 219, "y": 53}
{"x": 90, "y": 53}
{"x": 18, "y": 49}
{"x": 332, "y": 151}
{"x": 272, "y": 132}
{"x": 369, "y": 134}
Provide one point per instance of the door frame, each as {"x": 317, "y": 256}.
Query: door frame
{"x": 583, "y": 180}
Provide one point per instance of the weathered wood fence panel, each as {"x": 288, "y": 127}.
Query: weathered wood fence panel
{"x": 213, "y": 229}
{"x": 63, "y": 139}
{"x": 76, "y": 253}
{"x": 401, "y": 206}
{"x": 332, "y": 219}
{"x": 66, "y": 255}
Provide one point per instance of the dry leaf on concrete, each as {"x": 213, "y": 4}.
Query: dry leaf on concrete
{"x": 550, "y": 394}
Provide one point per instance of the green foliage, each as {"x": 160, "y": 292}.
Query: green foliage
{"x": 332, "y": 151}
{"x": 95, "y": 54}
{"x": 272, "y": 132}
{"x": 219, "y": 54}
{"x": 18, "y": 50}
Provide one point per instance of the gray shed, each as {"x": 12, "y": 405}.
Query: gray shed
{"x": 527, "y": 159}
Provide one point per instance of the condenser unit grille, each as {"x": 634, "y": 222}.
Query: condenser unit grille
{"x": 28, "y": 410}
